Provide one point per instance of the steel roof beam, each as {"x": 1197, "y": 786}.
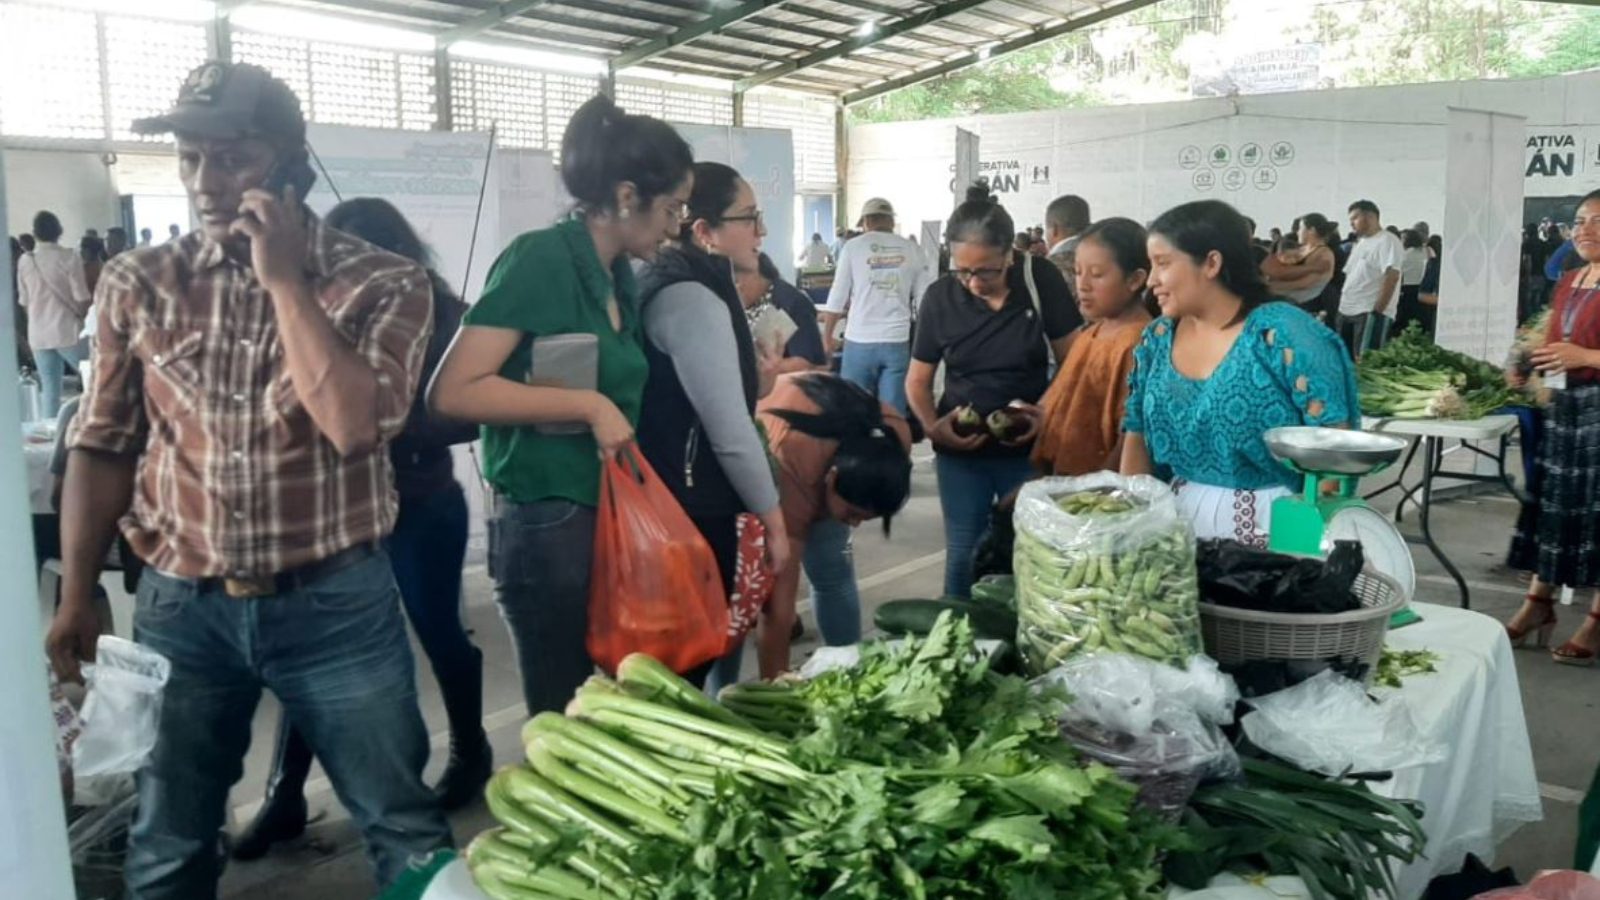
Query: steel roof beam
{"x": 620, "y": 12}
{"x": 900, "y": 27}
{"x": 1043, "y": 34}
{"x": 495, "y": 15}
{"x": 709, "y": 25}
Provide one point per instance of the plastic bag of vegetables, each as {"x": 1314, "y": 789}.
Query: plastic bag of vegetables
{"x": 1104, "y": 562}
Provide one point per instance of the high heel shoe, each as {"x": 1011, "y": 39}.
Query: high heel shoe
{"x": 1540, "y": 630}
{"x": 1573, "y": 653}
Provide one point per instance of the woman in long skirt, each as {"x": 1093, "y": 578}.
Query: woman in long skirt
{"x": 1558, "y": 534}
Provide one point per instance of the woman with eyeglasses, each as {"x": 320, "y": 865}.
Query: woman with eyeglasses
{"x": 994, "y": 321}
{"x": 698, "y": 429}
{"x": 1221, "y": 367}
{"x": 1558, "y": 532}
{"x": 542, "y": 444}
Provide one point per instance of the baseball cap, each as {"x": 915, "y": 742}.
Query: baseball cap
{"x": 877, "y": 206}
{"x": 224, "y": 101}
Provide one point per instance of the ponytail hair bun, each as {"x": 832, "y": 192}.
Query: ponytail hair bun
{"x": 604, "y": 147}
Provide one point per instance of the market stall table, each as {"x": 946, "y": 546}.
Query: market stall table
{"x": 1430, "y": 436}
{"x": 1480, "y": 791}
{"x": 1485, "y": 787}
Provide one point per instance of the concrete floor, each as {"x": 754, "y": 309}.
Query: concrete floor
{"x": 1560, "y": 701}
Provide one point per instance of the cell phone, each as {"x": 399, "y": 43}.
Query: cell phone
{"x": 294, "y": 171}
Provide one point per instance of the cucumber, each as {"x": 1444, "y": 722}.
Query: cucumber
{"x": 917, "y": 616}
{"x": 996, "y": 591}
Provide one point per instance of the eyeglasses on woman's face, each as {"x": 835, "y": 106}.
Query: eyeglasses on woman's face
{"x": 987, "y": 275}
{"x": 754, "y": 218}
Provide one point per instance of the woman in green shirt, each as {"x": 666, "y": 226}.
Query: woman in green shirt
{"x": 631, "y": 177}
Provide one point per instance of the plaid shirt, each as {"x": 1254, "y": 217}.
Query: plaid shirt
{"x": 234, "y": 479}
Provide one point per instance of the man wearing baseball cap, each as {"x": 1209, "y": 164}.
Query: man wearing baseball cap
{"x": 878, "y": 280}
{"x": 246, "y": 379}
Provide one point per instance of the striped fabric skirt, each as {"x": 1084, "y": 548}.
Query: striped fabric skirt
{"x": 1228, "y": 513}
{"x": 1558, "y": 533}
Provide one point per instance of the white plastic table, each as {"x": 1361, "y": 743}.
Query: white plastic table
{"x": 1430, "y": 435}
{"x": 1485, "y": 787}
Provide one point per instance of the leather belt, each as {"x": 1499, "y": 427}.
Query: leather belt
{"x": 284, "y": 582}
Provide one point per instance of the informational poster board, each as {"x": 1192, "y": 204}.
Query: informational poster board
{"x": 765, "y": 157}
{"x": 932, "y": 237}
{"x": 1483, "y": 206}
{"x": 967, "y": 165}
{"x": 435, "y": 178}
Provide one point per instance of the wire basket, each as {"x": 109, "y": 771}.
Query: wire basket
{"x": 1233, "y": 636}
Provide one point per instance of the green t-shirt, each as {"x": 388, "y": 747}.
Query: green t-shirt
{"x": 546, "y": 283}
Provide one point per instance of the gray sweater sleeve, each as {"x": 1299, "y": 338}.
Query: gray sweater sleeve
{"x": 688, "y": 322}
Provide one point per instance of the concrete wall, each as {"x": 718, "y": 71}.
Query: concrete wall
{"x": 1384, "y": 144}
{"x": 76, "y": 186}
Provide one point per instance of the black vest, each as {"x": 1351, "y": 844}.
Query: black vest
{"x": 670, "y": 433}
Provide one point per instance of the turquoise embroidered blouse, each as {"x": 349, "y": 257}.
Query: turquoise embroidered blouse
{"x": 1286, "y": 368}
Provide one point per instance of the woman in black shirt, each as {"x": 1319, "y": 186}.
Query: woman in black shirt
{"x": 989, "y": 321}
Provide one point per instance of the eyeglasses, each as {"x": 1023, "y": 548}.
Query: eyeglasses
{"x": 753, "y": 218}
{"x": 965, "y": 275}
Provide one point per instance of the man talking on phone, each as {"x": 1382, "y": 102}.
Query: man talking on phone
{"x": 246, "y": 379}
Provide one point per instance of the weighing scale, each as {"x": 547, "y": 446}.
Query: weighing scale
{"x": 1308, "y": 524}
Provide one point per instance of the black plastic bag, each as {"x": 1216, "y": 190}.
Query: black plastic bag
{"x": 1232, "y": 574}
{"x": 1474, "y": 878}
{"x": 993, "y": 554}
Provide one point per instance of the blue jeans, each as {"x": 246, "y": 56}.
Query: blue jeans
{"x": 880, "y": 368}
{"x": 52, "y": 369}
{"x": 427, "y": 549}
{"x": 829, "y": 565}
{"x": 539, "y": 557}
{"x": 336, "y": 656}
{"x": 968, "y": 489}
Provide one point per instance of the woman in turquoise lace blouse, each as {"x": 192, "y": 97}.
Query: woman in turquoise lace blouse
{"x": 1220, "y": 368}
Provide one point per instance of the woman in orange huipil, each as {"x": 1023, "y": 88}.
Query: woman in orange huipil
{"x": 1081, "y": 415}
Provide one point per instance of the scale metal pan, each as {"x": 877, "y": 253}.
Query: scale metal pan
{"x": 1333, "y": 451}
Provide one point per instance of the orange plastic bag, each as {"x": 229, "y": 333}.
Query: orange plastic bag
{"x": 654, "y": 587}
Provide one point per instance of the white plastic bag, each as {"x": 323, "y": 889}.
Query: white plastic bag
{"x": 122, "y": 709}
{"x": 1156, "y": 725}
{"x": 1328, "y": 724}
{"x": 1094, "y": 579}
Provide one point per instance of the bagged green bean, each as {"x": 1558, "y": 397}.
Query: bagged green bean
{"x": 1104, "y": 562}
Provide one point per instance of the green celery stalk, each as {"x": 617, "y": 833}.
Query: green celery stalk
{"x": 659, "y": 684}
{"x": 546, "y": 763}
{"x": 591, "y": 699}
{"x": 557, "y": 804}
{"x": 599, "y": 741}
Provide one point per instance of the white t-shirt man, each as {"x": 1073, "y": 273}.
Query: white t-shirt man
{"x": 1370, "y": 259}
{"x": 815, "y": 255}
{"x": 878, "y": 279}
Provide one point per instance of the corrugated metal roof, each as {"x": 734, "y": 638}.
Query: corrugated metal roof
{"x": 838, "y": 47}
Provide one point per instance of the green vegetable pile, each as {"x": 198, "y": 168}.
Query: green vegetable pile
{"x": 919, "y": 773}
{"x": 1339, "y": 837}
{"x": 1123, "y": 589}
{"x": 1397, "y": 665}
{"x": 1411, "y": 377}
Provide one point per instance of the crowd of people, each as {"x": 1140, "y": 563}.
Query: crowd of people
{"x": 54, "y": 287}
{"x": 274, "y": 397}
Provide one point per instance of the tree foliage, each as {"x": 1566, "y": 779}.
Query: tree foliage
{"x": 1146, "y": 56}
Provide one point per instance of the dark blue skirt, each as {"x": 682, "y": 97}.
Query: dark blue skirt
{"x": 1558, "y": 532}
